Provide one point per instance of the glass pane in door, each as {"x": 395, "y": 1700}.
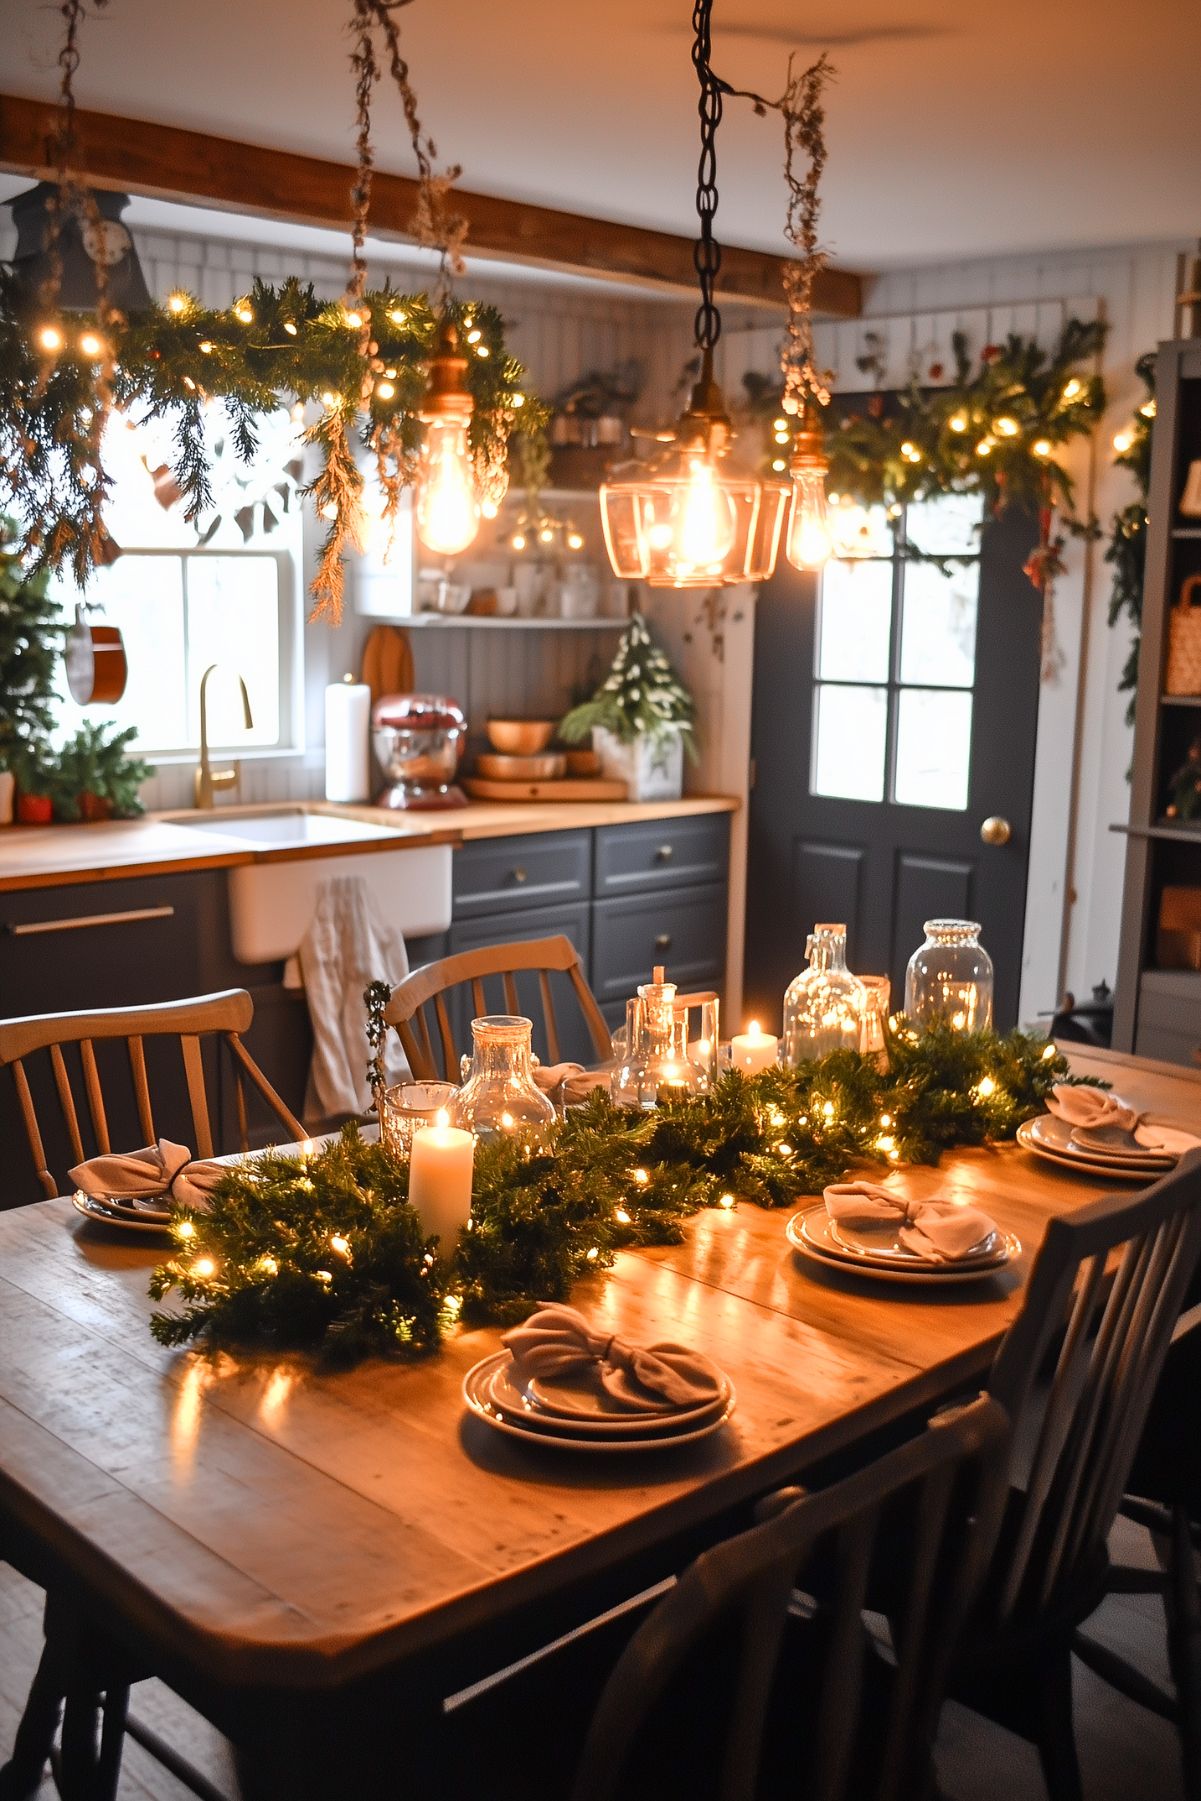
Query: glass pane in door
{"x": 938, "y": 624}
{"x": 934, "y": 747}
{"x": 946, "y": 525}
{"x": 854, "y": 622}
{"x": 849, "y": 737}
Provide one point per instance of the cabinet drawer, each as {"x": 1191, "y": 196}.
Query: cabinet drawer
{"x": 685, "y": 930}
{"x": 539, "y": 870}
{"x": 574, "y": 922}
{"x": 668, "y": 853}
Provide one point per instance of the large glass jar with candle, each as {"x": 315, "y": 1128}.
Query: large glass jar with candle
{"x": 950, "y": 977}
{"x": 500, "y": 1098}
{"x": 823, "y": 1007}
{"x": 656, "y": 1063}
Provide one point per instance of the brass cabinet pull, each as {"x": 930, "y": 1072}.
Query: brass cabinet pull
{"x": 519, "y": 875}
{"x": 663, "y": 941}
{"x": 81, "y": 921}
{"x": 665, "y": 853}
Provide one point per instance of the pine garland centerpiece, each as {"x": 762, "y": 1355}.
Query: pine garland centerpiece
{"x": 324, "y": 1252}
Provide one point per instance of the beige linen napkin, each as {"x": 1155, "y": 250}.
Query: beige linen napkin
{"x": 163, "y": 1171}
{"x": 1091, "y": 1108}
{"x": 558, "y": 1341}
{"x": 571, "y": 1081}
{"x": 938, "y": 1230}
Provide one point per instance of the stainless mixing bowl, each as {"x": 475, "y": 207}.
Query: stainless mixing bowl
{"x": 418, "y": 740}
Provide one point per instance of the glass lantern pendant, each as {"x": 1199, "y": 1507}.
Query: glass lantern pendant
{"x": 809, "y": 543}
{"x": 448, "y": 512}
{"x": 693, "y": 516}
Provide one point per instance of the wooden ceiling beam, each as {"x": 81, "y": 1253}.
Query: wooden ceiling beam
{"x": 167, "y": 163}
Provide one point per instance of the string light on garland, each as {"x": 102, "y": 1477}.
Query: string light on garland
{"x": 693, "y": 516}
{"x": 323, "y": 1252}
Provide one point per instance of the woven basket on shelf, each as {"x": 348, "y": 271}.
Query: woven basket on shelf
{"x": 1184, "y": 642}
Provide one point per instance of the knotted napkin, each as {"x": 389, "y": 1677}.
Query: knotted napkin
{"x": 571, "y": 1081}
{"x": 1091, "y": 1108}
{"x": 558, "y": 1341}
{"x": 163, "y": 1171}
{"x": 938, "y": 1230}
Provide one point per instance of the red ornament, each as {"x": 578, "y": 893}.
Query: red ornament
{"x": 990, "y": 353}
{"x": 875, "y": 405}
{"x": 936, "y": 372}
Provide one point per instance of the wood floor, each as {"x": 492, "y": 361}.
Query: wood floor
{"x": 1124, "y": 1751}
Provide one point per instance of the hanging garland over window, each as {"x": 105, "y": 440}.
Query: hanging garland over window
{"x": 325, "y": 1253}
{"x": 359, "y": 363}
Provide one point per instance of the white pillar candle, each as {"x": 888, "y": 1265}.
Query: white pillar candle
{"x": 753, "y": 1050}
{"x": 440, "y": 1179}
{"x": 347, "y": 724}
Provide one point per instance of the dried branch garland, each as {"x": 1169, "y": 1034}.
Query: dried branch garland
{"x": 804, "y": 145}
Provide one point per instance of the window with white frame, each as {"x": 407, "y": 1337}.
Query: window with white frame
{"x": 229, "y": 596}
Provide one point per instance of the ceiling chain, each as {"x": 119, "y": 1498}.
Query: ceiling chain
{"x": 706, "y": 253}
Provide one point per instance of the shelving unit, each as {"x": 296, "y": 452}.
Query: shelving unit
{"x": 1157, "y": 1009}
{"x": 511, "y": 623}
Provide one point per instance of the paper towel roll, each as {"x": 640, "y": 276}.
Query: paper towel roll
{"x": 347, "y": 723}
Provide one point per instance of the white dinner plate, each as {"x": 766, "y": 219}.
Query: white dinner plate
{"x": 1057, "y": 1135}
{"x": 124, "y": 1220}
{"x": 808, "y": 1233}
{"x": 514, "y": 1402}
{"x": 475, "y": 1387}
{"x": 1085, "y": 1165}
{"x": 881, "y": 1243}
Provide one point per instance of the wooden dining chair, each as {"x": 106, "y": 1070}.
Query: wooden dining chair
{"x": 72, "y": 1038}
{"x": 429, "y": 1043}
{"x": 756, "y": 1673}
{"x": 1076, "y": 1372}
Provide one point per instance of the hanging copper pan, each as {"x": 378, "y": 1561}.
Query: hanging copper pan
{"x": 95, "y": 657}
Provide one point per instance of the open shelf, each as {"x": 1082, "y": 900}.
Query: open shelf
{"x": 509, "y": 623}
{"x": 1186, "y": 531}
{"x": 1178, "y": 834}
{"x": 1180, "y": 700}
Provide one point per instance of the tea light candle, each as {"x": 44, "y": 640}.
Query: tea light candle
{"x": 440, "y": 1178}
{"x": 753, "y": 1050}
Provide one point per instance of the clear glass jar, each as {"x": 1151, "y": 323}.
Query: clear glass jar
{"x": 656, "y": 1063}
{"x": 409, "y": 1106}
{"x": 950, "y": 977}
{"x": 501, "y": 1098}
{"x": 823, "y": 1007}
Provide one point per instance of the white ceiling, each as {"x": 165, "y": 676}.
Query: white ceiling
{"x": 962, "y": 130}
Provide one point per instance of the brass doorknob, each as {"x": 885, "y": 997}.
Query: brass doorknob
{"x": 995, "y": 830}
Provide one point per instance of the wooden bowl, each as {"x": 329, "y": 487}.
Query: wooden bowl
{"x": 583, "y": 762}
{"x": 520, "y": 737}
{"x": 546, "y": 768}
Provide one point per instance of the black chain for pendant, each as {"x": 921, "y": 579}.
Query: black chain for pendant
{"x": 706, "y": 253}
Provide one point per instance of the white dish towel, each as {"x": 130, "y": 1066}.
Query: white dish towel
{"x": 345, "y": 948}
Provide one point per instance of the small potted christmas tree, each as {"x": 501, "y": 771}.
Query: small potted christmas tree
{"x": 31, "y": 639}
{"x": 642, "y": 719}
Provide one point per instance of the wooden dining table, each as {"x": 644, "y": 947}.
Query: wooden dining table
{"x": 298, "y": 1552}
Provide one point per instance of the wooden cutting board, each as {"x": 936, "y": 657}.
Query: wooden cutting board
{"x": 480, "y": 788}
{"x": 388, "y": 662}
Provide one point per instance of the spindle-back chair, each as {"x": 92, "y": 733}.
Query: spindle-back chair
{"x": 81, "y": 1096}
{"x": 430, "y": 1045}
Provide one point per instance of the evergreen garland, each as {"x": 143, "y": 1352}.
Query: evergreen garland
{"x": 993, "y": 430}
{"x": 324, "y": 1253}
{"x": 275, "y": 346}
{"x": 1127, "y": 549}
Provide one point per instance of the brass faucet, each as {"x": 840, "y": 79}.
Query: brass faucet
{"x": 209, "y": 780}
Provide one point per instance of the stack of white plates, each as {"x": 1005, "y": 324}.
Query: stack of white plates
{"x": 126, "y": 1215}
{"x": 876, "y": 1251}
{"x": 577, "y": 1415}
{"x": 1156, "y": 1147}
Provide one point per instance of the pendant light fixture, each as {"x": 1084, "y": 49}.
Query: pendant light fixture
{"x": 693, "y": 516}
{"x": 448, "y": 512}
{"x": 809, "y": 543}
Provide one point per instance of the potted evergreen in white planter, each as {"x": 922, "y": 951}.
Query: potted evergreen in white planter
{"x": 642, "y": 719}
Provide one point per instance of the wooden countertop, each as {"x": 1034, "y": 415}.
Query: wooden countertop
{"x": 160, "y": 844}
